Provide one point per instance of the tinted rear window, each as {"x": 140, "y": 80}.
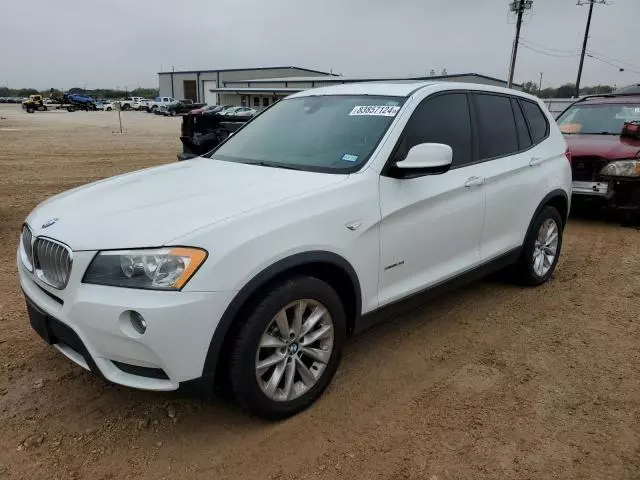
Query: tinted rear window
{"x": 496, "y": 126}
{"x": 537, "y": 120}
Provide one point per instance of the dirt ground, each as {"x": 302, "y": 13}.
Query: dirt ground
{"x": 490, "y": 382}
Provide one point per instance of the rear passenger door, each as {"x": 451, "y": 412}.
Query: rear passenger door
{"x": 511, "y": 167}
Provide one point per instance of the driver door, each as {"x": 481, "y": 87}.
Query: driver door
{"x": 431, "y": 225}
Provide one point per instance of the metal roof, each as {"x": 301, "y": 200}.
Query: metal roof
{"x": 340, "y": 79}
{"x": 248, "y": 70}
{"x": 254, "y": 90}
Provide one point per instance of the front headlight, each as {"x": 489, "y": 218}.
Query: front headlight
{"x": 622, "y": 168}
{"x": 157, "y": 269}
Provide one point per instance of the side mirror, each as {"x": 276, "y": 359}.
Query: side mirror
{"x": 426, "y": 158}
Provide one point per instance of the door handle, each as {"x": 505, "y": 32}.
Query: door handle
{"x": 474, "y": 182}
{"x": 535, "y": 161}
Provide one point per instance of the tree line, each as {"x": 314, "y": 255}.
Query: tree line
{"x": 107, "y": 93}
{"x": 567, "y": 90}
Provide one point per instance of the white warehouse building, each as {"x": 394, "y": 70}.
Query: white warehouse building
{"x": 260, "y": 87}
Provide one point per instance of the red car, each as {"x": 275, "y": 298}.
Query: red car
{"x": 603, "y": 134}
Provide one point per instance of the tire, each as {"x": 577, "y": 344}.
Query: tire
{"x": 125, "y": 106}
{"x": 246, "y": 352}
{"x": 108, "y": 109}
{"x": 529, "y": 272}
{"x": 30, "y": 109}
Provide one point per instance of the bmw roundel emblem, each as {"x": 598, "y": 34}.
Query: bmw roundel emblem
{"x": 48, "y": 223}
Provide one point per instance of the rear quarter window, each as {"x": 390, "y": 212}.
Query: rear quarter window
{"x": 538, "y": 124}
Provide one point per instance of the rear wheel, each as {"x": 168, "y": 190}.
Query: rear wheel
{"x": 108, "y": 109}
{"x": 30, "y": 109}
{"x": 541, "y": 249}
{"x": 288, "y": 349}
{"x": 125, "y": 106}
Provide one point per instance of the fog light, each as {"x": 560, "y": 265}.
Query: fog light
{"x": 138, "y": 322}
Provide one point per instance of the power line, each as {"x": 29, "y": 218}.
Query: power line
{"x": 612, "y": 64}
{"x": 612, "y": 58}
{"x": 528, "y": 47}
{"x": 522, "y": 39}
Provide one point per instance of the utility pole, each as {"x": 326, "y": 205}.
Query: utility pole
{"x": 540, "y": 84}
{"x": 518, "y": 7}
{"x": 586, "y": 37}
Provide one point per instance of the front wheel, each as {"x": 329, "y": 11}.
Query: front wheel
{"x": 288, "y": 348}
{"x": 541, "y": 248}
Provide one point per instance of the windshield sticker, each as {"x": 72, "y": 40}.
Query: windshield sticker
{"x": 347, "y": 157}
{"x": 375, "y": 110}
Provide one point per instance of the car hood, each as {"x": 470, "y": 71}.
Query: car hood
{"x": 156, "y": 206}
{"x": 611, "y": 147}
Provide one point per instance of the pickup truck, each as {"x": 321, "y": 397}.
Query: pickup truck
{"x": 129, "y": 102}
{"x": 141, "y": 104}
{"x": 159, "y": 102}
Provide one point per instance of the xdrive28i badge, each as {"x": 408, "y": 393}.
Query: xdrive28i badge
{"x": 48, "y": 223}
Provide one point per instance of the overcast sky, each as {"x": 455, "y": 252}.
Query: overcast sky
{"x": 109, "y": 43}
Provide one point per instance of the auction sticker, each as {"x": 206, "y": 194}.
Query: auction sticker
{"x": 375, "y": 110}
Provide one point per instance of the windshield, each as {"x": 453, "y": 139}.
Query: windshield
{"x": 598, "y": 119}
{"x": 318, "y": 133}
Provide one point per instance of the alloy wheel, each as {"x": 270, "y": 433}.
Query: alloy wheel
{"x": 545, "y": 247}
{"x": 294, "y": 350}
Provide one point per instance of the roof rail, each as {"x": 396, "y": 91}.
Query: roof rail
{"x": 606, "y": 95}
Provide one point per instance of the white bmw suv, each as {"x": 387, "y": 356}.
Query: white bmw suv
{"x": 256, "y": 262}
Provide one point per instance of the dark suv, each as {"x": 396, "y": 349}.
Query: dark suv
{"x": 605, "y": 152}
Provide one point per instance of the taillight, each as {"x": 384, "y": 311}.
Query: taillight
{"x": 568, "y": 155}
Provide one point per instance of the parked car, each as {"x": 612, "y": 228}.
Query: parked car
{"x": 257, "y": 262}
{"x": 178, "y": 107}
{"x": 141, "y": 104}
{"x": 204, "y": 129}
{"x": 129, "y": 102}
{"x": 210, "y": 109}
{"x": 158, "y": 102}
{"x": 239, "y": 112}
{"x": 605, "y": 155}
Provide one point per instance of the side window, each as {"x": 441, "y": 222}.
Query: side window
{"x": 441, "y": 119}
{"x": 497, "y": 134}
{"x": 524, "y": 139}
{"x": 537, "y": 120}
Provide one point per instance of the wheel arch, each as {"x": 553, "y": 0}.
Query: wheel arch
{"x": 327, "y": 266}
{"x": 557, "y": 199}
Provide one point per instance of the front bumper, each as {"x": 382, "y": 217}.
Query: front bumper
{"x": 597, "y": 189}
{"x": 620, "y": 193}
{"x": 180, "y": 326}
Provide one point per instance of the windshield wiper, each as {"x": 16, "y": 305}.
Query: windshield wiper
{"x": 273, "y": 165}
